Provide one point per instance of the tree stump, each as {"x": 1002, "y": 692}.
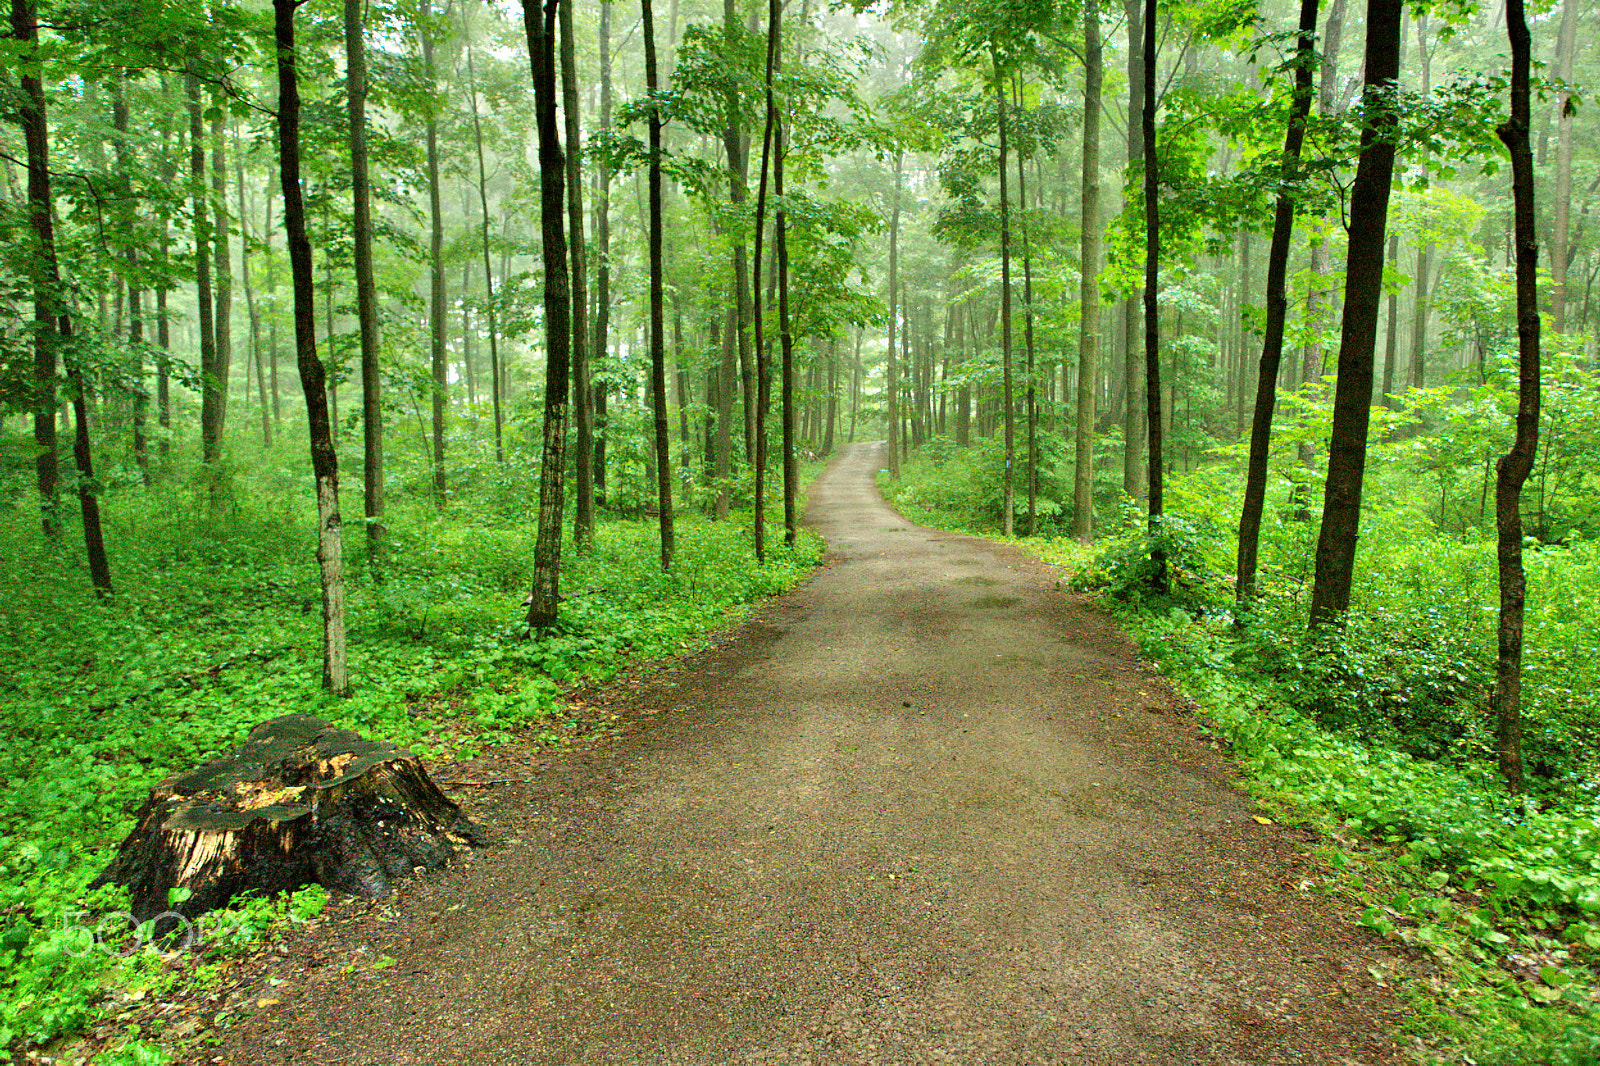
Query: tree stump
{"x": 299, "y": 802}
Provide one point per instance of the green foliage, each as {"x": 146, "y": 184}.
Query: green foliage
{"x": 216, "y": 628}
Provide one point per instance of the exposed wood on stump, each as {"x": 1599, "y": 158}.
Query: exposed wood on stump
{"x": 299, "y": 802}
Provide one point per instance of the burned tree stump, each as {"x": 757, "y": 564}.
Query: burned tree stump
{"x": 299, "y": 802}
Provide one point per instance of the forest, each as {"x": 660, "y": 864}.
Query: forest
{"x": 1276, "y": 326}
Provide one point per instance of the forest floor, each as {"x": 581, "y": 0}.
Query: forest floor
{"x": 927, "y": 808}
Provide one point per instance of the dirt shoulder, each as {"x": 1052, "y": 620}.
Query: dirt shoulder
{"x": 927, "y": 808}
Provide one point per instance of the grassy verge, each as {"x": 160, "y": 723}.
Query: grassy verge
{"x": 215, "y": 627}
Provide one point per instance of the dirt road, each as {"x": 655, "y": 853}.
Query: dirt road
{"x": 926, "y": 809}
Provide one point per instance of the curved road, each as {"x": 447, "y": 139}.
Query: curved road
{"x": 925, "y": 809}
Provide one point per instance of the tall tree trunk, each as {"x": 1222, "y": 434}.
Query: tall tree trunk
{"x": 1561, "y": 229}
{"x": 1133, "y": 430}
{"x": 221, "y": 269}
{"x": 763, "y": 383}
{"x": 210, "y": 375}
{"x": 1089, "y": 284}
{"x": 658, "y": 345}
{"x": 540, "y": 27}
{"x": 1513, "y": 470}
{"x": 735, "y": 143}
{"x": 1421, "y": 287}
{"x": 791, "y": 471}
{"x": 1009, "y": 498}
{"x": 583, "y": 503}
{"x": 602, "y": 238}
{"x": 252, "y": 306}
{"x": 891, "y": 384}
{"x": 52, "y": 320}
{"x": 324, "y": 462}
{"x": 488, "y": 269}
{"x": 168, "y": 169}
{"x": 1255, "y": 484}
{"x": 1152, "y": 303}
{"x": 1352, "y": 402}
{"x": 1031, "y": 395}
{"x": 141, "y": 397}
{"x": 437, "y": 309}
{"x": 355, "y": 48}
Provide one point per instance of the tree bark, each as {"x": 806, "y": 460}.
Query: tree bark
{"x": 1008, "y": 499}
{"x": 602, "y": 237}
{"x": 583, "y": 460}
{"x": 1255, "y": 485}
{"x": 366, "y": 286}
{"x": 496, "y": 401}
{"x": 891, "y": 384}
{"x": 540, "y": 27}
{"x": 221, "y": 270}
{"x": 763, "y": 383}
{"x": 658, "y": 343}
{"x": 1089, "y": 281}
{"x": 1512, "y": 471}
{"x": 1133, "y": 429}
{"x": 735, "y": 143}
{"x": 210, "y": 378}
{"x": 1561, "y": 229}
{"x": 437, "y": 310}
{"x": 1352, "y": 403}
{"x": 1152, "y": 303}
{"x": 791, "y": 471}
{"x": 313, "y": 379}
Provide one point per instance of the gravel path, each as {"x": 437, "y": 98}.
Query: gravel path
{"x": 925, "y": 809}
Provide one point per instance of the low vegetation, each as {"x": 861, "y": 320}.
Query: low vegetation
{"x": 216, "y": 628}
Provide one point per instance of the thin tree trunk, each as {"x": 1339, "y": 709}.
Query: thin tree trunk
{"x": 324, "y": 461}
{"x": 1089, "y": 284}
{"x": 1009, "y": 500}
{"x": 252, "y": 306}
{"x": 583, "y": 460}
{"x": 366, "y": 285}
{"x": 891, "y": 385}
{"x": 1392, "y": 331}
{"x": 1561, "y": 229}
{"x": 602, "y": 237}
{"x": 1352, "y": 404}
{"x": 488, "y": 270}
{"x": 725, "y": 376}
{"x": 1152, "y": 303}
{"x": 141, "y": 398}
{"x": 658, "y": 352}
{"x": 763, "y": 384}
{"x": 736, "y": 147}
{"x": 221, "y": 270}
{"x": 1513, "y": 470}
{"x": 437, "y": 309}
{"x": 1255, "y": 485}
{"x": 540, "y": 27}
{"x": 210, "y": 377}
{"x": 791, "y": 471}
{"x": 1133, "y": 430}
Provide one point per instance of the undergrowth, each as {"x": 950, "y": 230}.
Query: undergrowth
{"x": 215, "y": 627}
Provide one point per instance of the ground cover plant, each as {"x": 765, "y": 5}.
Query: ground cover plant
{"x": 1379, "y": 735}
{"x": 216, "y": 629}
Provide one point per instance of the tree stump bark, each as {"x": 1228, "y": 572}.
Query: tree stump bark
{"x": 299, "y": 802}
